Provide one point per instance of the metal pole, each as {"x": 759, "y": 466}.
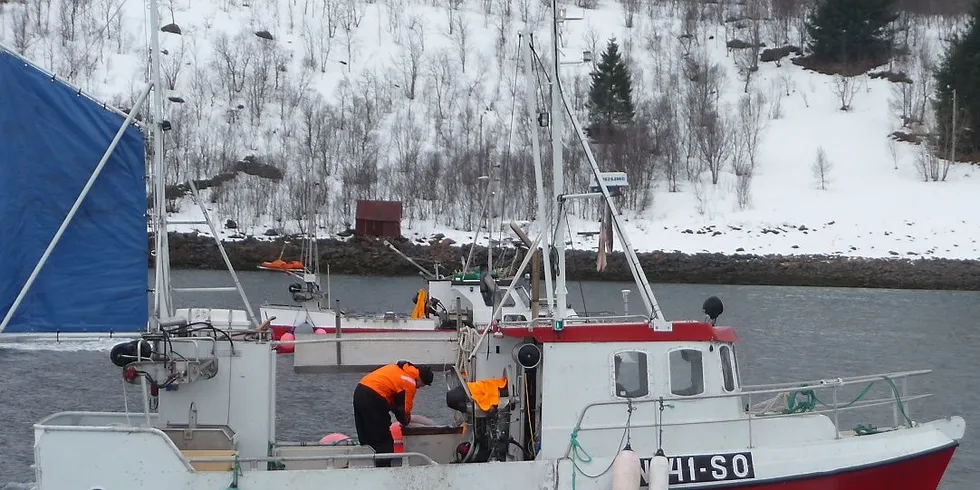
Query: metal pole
{"x": 163, "y": 301}
{"x": 74, "y": 209}
{"x": 146, "y": 400}
{"x": 557, "y": 130}
{"x": 952, "y": 149}
{"x": 224, "y": 255}
{"x": 836, "y": 418}
{"x": 538, "y": 179}
{"x": 336, "y": 322}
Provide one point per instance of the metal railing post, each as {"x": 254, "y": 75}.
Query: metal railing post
{"x": 905, "y": 389}
{"x": 336, "y": 318}
{"x": 836, "y": 418}
{"x": 895, "y": 403}
{"x": 749, "y": 413}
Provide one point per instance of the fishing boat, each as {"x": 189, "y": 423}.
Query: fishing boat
{"x": 444, "y": 303}
{"x": 656, "y": 403}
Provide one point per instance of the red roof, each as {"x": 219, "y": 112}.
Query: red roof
{"x": 379, "y": 210}
{"x": 626, "y": 332}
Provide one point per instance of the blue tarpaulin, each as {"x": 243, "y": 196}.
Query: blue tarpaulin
{"x": 51, "y": 140}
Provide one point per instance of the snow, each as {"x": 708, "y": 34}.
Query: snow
{"x": 872, "y": 205}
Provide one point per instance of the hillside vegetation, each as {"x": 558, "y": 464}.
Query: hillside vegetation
{"x": 330, "y": 101}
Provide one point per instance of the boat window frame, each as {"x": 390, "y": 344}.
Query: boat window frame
{"x": 727, "y": 356}
{"x": 738, "y": 370}
{"x": 645, "y": 373}
{"x": 670, "y": 371}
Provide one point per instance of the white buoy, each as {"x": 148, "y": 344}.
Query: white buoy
{"x": 658, "y": 476}
{"x": 626, "y": 470}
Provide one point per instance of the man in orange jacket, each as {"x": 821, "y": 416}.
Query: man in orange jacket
{"x": 387, "y": 389}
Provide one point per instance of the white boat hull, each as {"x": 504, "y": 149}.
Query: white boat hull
{"x": 146, "y": 458}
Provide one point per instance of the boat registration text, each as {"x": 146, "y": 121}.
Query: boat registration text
{"x": 704, "y": 468}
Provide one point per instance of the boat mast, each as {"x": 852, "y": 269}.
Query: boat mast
{"x": 557, "y": 126}
{"x": 532, "y": 111}
{"x": 162, "y": 297}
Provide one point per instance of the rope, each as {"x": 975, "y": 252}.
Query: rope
{"x": 235, "y": 471}
{"x": 579, "y": 454}
{"x": 467, "y": 340}
{"x": 801, "y": 401}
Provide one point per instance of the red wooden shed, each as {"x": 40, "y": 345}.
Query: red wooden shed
{"x": 378, "y": 218}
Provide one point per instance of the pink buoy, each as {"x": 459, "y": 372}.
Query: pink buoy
{"x": 320, "y": 331}
{"x": 287, "y": 348}
{"x": 335, "y": 439}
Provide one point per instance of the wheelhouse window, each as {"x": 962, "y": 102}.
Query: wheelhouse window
{"x": 630, "y": 374}
{"x": 686, "y": 372}
{"x": 727, "y": 367}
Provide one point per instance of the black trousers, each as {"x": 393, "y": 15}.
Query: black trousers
{"x": 373, "y": 422}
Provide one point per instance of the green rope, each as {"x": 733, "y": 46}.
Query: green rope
{"x": 801, "y": 401}
{"x": 578, "y": 453}
{"x": 235, "y": 471}
{"x": 274, "y": 465}
{"x": 864, "y": 430}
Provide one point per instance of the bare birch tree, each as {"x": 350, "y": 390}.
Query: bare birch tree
{"x": 845, "y": 88}
{"x": 630, "y": 8}
{"x": 411, "y": 60}
{"x": 893, "y": 151}
{"x": 821, "y": 168}
{"x": 461, "y": 36}
{"x": 23, "y": 30}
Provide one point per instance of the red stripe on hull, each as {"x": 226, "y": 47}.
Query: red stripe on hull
{"x": 627, "y": 332}
{"x": 921, "y": 472}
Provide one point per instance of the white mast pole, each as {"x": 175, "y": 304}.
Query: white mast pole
{"x": 557, "y": 126}
{"x": 163, "y": 302}
{"x": 538, "y": 173}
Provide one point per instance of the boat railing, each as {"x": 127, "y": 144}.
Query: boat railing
{"x": 898, "y": 402}
{"x": 572, "y": 321}
{"x": 257, "y": 462}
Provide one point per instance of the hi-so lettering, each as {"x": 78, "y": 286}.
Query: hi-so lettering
{"x": 701, "y": 468}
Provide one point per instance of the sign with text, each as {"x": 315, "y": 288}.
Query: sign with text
{"x": 613, "y": 180}
{"x": 703, "y": 468}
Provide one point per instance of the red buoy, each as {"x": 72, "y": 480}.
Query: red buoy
{"x": 287, "y": 348}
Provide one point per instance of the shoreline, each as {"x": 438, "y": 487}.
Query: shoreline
{"x": 370, "y": 257}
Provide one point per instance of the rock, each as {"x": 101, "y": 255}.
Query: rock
{"x": 368, "y": 256}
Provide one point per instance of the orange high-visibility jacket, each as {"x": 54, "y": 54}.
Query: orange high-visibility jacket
{"x": 396, "y": 383}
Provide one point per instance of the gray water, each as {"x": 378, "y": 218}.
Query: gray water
{"x": 786, "y": 334}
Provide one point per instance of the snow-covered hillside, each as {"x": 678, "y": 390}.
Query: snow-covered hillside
{"x": 408, "y": 100}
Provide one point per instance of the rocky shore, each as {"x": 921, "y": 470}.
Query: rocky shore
{"x": 364, "y": 256}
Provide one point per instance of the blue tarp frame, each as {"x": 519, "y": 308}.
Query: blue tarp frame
{"x": 52, "y": 138}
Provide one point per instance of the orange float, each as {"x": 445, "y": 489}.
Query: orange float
{"x": 282, "y": 265}
{"x": 396, "y": 435}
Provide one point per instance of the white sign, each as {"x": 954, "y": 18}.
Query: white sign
{"x": 611, "y": 179}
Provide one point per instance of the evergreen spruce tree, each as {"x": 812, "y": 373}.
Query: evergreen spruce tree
{"x": 851, "y": 31}
{"x": 611, "y": 95}
{"x": 960, "y": 71}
